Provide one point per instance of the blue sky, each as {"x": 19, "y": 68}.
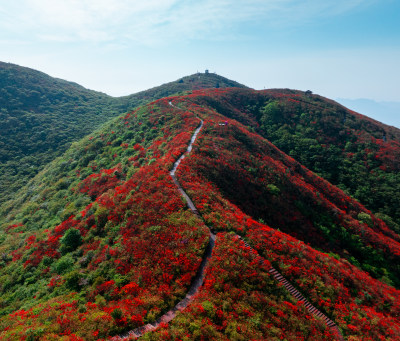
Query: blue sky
{"x": 337, "y": 48}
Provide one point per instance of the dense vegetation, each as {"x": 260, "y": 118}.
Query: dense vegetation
{"x": 354, "y": 152}
{"x": 193, "y": 82}
{"x": 104, "y": 241}
{"x": 228, "y": 160}
{"x": 241, "y": 301}
{"x": 269, "y": 182}
{"x": 101, "y": 242}
{"x": 41, "y": 116}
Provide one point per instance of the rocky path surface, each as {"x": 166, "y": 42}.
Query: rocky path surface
{"x": 199, "y": 278}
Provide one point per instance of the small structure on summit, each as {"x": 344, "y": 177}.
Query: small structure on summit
{"x": 206, "y": 72}
{"x": 308, "y": 93}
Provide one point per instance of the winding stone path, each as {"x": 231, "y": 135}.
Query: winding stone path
{"x": 199, "y": 278}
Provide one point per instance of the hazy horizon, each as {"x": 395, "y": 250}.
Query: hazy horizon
{"x": 385, "y": 112}
{"x": 339, "y": 49}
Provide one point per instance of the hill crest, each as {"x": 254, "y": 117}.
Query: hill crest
{"x": 41, "y": 116}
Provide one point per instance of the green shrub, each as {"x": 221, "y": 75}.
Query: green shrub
{"x": 116, "y": 314}
{"x": 70, "y": 241}
{"x": 64, "y": 264}
{"x": 365, "y": 218}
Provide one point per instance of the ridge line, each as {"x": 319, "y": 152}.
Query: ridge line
{"x": 199, "y": 277}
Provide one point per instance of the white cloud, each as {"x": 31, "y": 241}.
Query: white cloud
{"x": 152, "y": 21}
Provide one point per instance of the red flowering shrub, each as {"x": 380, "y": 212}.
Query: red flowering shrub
{"x": 240, "y": 300}
{"x": 97, "y": 184}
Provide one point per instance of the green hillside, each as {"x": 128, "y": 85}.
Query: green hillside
{"x": 40, "y": 116}
{"x": 358, "y": 154}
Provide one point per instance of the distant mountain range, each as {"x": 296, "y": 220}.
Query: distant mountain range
{"x": 197, "y": 210}
{"x": 386, "y": 112}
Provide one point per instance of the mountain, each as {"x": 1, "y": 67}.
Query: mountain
{"x": 41, "y": 116}
{"x": 101, "y": 242}
{"x": 388, "y": 112}
{"x": 354, "y": 152}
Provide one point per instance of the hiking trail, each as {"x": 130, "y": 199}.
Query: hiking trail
{"x": 199, "y": 277}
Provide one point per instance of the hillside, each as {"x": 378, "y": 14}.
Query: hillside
{"x": 354, "y": 152}
{"x": 41, "y": 116}
{"x": 103, "y": 243}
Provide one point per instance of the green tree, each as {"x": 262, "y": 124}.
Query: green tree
{"x": 70, "y": 241}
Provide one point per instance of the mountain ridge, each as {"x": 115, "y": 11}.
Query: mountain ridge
{"x": 104, "y": 232}
{"x": 41, "y": 116}
{"x": 351, "y": 150}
